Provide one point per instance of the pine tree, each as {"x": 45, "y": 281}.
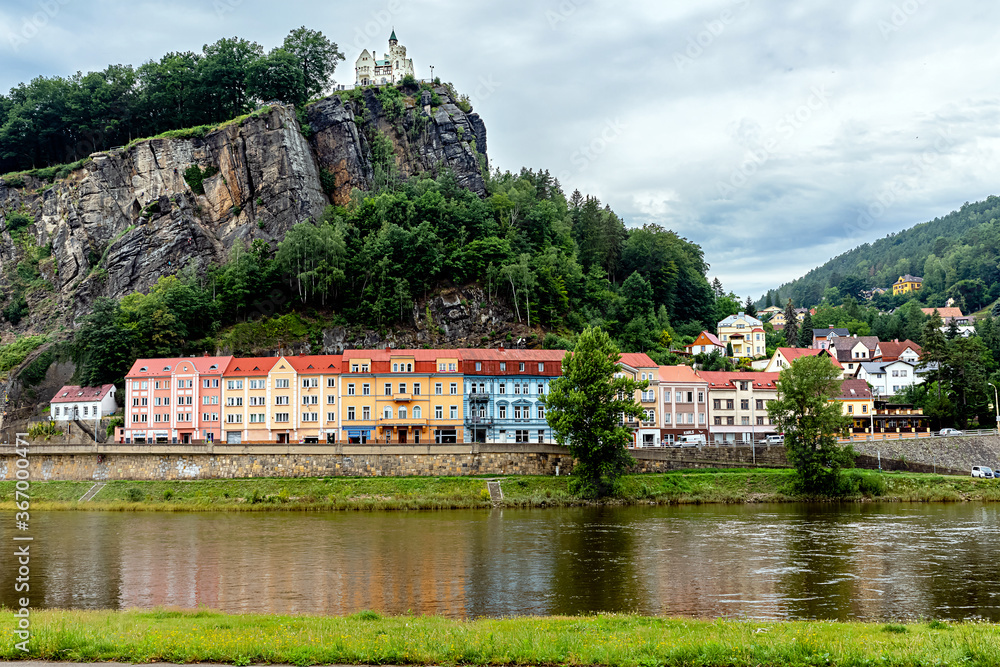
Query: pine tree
{"x": 791, "y": 326}
{"x": 749, "y": 308}
{"x": 952, "y": 332}
{"x": 934, "y": 349}
{"x": 769, "y": 300}
{"x": 717, "y": 288}
{"x": 806, "y": 331}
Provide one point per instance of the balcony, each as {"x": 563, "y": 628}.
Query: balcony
{"x": 402, "y": 397}
{"x": 477, "y": 397}
{"x": 479, "y": 421}
{"x": 402, "y": 422}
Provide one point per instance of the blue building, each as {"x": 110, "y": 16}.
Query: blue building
{"x": 501, "y": 394}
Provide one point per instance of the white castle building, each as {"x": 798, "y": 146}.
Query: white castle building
{"x": 391, "y": 69}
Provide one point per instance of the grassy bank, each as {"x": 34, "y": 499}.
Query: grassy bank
{"x": 368, "y": 638}
{"x": 403, "y": 493}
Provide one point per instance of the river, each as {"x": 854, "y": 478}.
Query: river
{"x": 872, "y": 562}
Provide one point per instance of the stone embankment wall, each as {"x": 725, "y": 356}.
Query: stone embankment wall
{"x": 958, "y": 454}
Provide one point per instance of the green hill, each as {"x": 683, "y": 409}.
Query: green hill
{"x": 957, "y": 255}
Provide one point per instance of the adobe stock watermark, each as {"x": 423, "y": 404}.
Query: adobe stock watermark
{"x": 584, "y": 156}
{"x": 22, "y": 546}
{"x": 899, "y": 16}
{"x": 705, "y": 38}
{"x": 759, "y": 155}
{"x": 223, "y": 7}
{"x": 34, "y": 23}
{"x": 562, "y": 12}
{"x": 377, "y": 25}
{"x": 908, "y": 180}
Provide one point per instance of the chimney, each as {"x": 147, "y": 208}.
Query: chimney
{"x": 386, "y": 348}
{"x": 831, "y": 326}
{"x": 501, "y": 347}
{"x": 204, "y": 354}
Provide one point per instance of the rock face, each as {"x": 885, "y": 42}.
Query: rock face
{"x": 130, "y": 215}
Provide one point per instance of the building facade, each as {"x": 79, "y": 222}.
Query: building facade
{"x": 640, "y": 367}
{"x": 744, "y": 333}
{"x": 75, "y": 402}
{"x": 390, "y": 69}
{"x": 907, "y": 284}
{"x": 684, "y": 403}
{"x": 737, "y": 405}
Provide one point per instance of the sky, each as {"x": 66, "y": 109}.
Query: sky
{"x": 775, "y": 135}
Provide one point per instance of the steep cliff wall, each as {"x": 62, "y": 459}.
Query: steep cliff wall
{"x": 129, "y": 215}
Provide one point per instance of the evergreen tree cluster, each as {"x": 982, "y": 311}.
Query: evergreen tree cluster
{"x": 60, "y": 120}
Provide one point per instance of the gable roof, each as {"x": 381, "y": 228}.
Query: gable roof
{"x": 72, "y": 393}
{"x": 637, "y": 360}
{"x": 793, "y": 353}
{"x": 711, "y": 337}
{"x": 247, "y": 366}
{"x": 741, "y": 316}
{"x": 823, "y": 333}
{"x": 943, "y": 312}
{"x": 892, "y": 349}
{"x": 315, "y": 364}
{"x": 722, "y": 379}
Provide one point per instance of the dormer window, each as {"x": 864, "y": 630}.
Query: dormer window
{"x": 166, "y": 368}
{"x": 142, "y": 370}
{"x": 213, "y": 367}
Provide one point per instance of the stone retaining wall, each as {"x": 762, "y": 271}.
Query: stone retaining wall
{"x": 958, "y": 454}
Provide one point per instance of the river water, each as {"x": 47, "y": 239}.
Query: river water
{"x": 854, "y": 561}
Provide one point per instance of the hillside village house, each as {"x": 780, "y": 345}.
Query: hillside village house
{"x": 778, "y": 319}
{"x": 888, "y": 378}
{"x": 907, "y": 351}
{"x": 907, "y": 284}
{"x": 705, "y": 343}
{"x": 391, "y": 68}
{"x": 823, "y": 338}
{"x": 851, "y": 351}
{"x": 745, "y": 333}
{"x": 638, "y": 366}
{"x": 738, "y": 405}
{"x": 684, "y": 401}
{"x": 75, "y": 402}
{"x": 768, "y": 312}
{"x": 855, "y": 401}
{"x": 783, "y": 357}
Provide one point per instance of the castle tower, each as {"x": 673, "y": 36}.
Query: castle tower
{"x": 391, "y": 69}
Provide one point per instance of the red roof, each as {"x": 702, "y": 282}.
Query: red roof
{"x": 854, "y": 389}
{"x": 711, "y": 337}
{"x": 728, "y": 378}
{"x": 202, "y": 365}
{"x": 309, "y": 364}
{"x": 72, "y": 393}
{"x": 944, "y": 312}
{"x": 892, "y": 349}
{"x": 247, "y": 366}
{"x": 793, "y": 353}
{"x": 637, "y": 360}
{"x": 681, "y": 373}
{"x": 510, "y": 355}
{"x": 152, "y": 368}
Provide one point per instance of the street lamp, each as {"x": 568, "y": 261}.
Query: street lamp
{"x": 996, "y": 403}
{"x": 432, "y": 73}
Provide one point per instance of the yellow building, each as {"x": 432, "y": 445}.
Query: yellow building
{"x": 317, "y": 377}
{"x": 357, "y": 398}
{"x": 906, "y": 284}
{"x": 245, "y": 399}
{"x": 856, "y": 402}
{"x": 745, "y": 333}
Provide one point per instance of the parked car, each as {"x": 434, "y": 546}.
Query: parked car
{"x": 982, "y": 471}
{"x": 774, "y": 439}
{"x": 950, "y": 431}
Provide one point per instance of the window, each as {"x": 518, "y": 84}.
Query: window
{"x": 502, "y": 411}
{"x": 717, "y": 403}
{"x": 235, "y": 418}
{"x": 310, "y": 382}
{"x": 331, "y": 383}
{"x": 330, "y": 399}
{"x": 666, "y": 417}
{"x": 416, "y": 412}
{"x": 281, "y": 400}
{"x": 438, "y": 388}
{"x": 744, "y": 421}
{"x": 454, "y": 388}
{"x": 442, "y": 367}
{"x": 331, "y": 416}
{"x": 166, "y": 400}
{"x": 850, "y": 409}
{"x": 145, "y": 384}
{"x": 541, "y": 437}
{"x": 281, "y": 417}
{"x": 701, "y": 417}
{"x": 541, "y": 367}
{"x": 541, "y": 391}
{"x": 760, "y": 421}
{"x": 744, "y": 386}
{"x": 281, "y": 384}
{"x": 521, "y": 367}
{"x": 416, "y": 389}
{"x": 156, "y": 385}
{"x": 453, "y": 412}
{"x": 451, "y": 367}
{"x": 438, "y": 412}
{"x": 234, "y": 401}
{"x": 350, "y": 413}
{"x": 520, "y": 436}
{"x": 234, "y": 384}
{"x": 517, "y": 388}
{"x": 256, "y": 384}
{"x": 864, "y": 409}
{"x": 649, "y": 416}
{"x": 402, "y": 387}
{"x": 745, "y": 404}
{"x": 503, "y": 367}
{"x": 258, "y": 400}
{"x": 402, "y": 412}
{"x": 215, "y": 383}
{"x": 366, "y": 389}
{"x": 541, "y": 412}
{"x": 206, "y": 384}
{"x": 388, "y": 389}
{"x": 503, "y": 387}
{"x": 729, "y": 403}
{"x": 387, "y": 412}
{"x": 479, "y": 365}
{"x": 395, "y": 368}
{"x": 135, "y": 402}
{"x": 310, "y": 416}
{"x": 257, "y": 418}
{"x": 145, "y": 401}
{"x": 354, "y": 368}
{"x": 517, "y": 412}
{"x": 701, "y": 397}
{"x": 679, "y": 398}
{"x": 902, "y": 373}
{"x": 760, "y": 404}
{"x": 366, "y": 412}
{"x": 718, "y": 421}
{"x": 157, "y": 401}
{"x": 204, "y": 400}
{"x": 730, "y": 421}
{"x": 85, "y": 408}
{"x": 205, "y": 417}
{"x": 350, "y": 389}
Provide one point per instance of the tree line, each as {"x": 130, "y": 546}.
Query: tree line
{"x": 560, "y": 263}
{"x": 59, "y": 120}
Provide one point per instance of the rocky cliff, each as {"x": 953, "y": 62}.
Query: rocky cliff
{"x": 131, "y": 215}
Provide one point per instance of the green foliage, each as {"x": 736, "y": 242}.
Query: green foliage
{"x": 36, "y": 370}
{"x": 16, "y": 310}
{"x": 195, "y": 177}
{"x": 13, "y": 354}
{"x": 391, "y": 100}
{"x": 584, "y": 407}
{"x": 134, "y": 495}
{"x": 17, "y": 220}
{"x": 45, "y": 430}
{"x": 811, "y": 423}
{"x": 113, "y": 423}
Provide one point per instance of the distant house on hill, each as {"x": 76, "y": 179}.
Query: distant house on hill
{"x": 907, "y": 351}
{"x": 391, "y": 68}
{"x": 706, "y": 343}
{"x": 907, "y": 284}
{"x": 823, "y": 338}
{"x": 745, "y": 333}
{"x": 74, "y": 402}
{"x": 783, "y": 357}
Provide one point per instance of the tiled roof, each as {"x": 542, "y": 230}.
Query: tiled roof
{"x": 679, "y": 373}
{"x": 740, "y": 316}
{"x": 892, "y": 349}
{"x": 316, "y": 363}
{"x": 72, "y": 393}
{"x": 152, "y": 368}
{"x": 471, "y": 354}
{"x": 712, "y": 338}
{"x": 727, "y": 378}
{"x": 943, "y": 312}
{"x": 823, "y": 333}
{"x": 251, "y": 366}
{"x": 793, "y": 353}
{"x": 637, "y": 360}
{"x": 854, "y": 389}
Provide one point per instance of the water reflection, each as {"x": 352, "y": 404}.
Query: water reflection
{"x": 875, "y": 562}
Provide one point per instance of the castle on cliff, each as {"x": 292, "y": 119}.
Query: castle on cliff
{"x": 390, "y": 69}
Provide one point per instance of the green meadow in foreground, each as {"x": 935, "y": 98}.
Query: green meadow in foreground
{"x": 369, "y": 638}
{"x": 419, "y": 493}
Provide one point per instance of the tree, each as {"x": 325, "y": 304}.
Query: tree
{"x": 102, "y": 347}
{"x": 277, "y": 76}
{"x": 806, "y": 329}
{"x": 317, "y": 57}
{"x": 934, "y": 349}
{"x": 791, "y": 329}
{"x": 769, "y": 299}
{"x": 811, "y": 423}
{"x": 749, "y": 308}
{"x": 585, "y": 408}
{"x": 717, "y": 288}
{"x": 952, "y": 332}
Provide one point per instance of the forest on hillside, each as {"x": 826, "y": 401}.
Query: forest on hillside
{"x": 957, "y": 255}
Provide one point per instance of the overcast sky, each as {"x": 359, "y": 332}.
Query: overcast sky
{"x": 774, "y": 134}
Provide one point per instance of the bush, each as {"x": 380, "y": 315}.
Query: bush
{"x": 328, "y": 181}
{"x": 14, "y": 180}
{"x": 114, "y": 423}
{"x": 16, "y": 310}
{"x": 18, "y": 220}
{"x": 195, "y": 177}
{"x": 44, "y": 430}
{"x": 134, "y": 495}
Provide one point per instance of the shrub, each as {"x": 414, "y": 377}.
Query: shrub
{"x": 14, "y": 180}
{"x": 328, "y": 181}
{"x": 134, "y": 495}
{"x": 44, "y": 430}
{"x": 464, "y": 104}
{"x": 114, "y": 423}
{"x": 408, "y": 80}
{"x": 195, "y": 177}
{"x": 16, "y": 310}
{"x": 17, "y": 220}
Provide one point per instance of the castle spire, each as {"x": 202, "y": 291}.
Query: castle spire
{"x": 392, "y": 37}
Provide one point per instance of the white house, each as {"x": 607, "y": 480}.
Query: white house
{"x": 391, "y": 68}
{"x": 73, "y": 402}
{"x": 888, "y": 378}
{"x": 745, "y": 333}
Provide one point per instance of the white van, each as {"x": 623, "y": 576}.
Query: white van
{"x": 690, "y": 441}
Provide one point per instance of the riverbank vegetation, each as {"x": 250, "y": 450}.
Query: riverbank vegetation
{"x": 428, "y": 493}
{"x": 370, "y": 638}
